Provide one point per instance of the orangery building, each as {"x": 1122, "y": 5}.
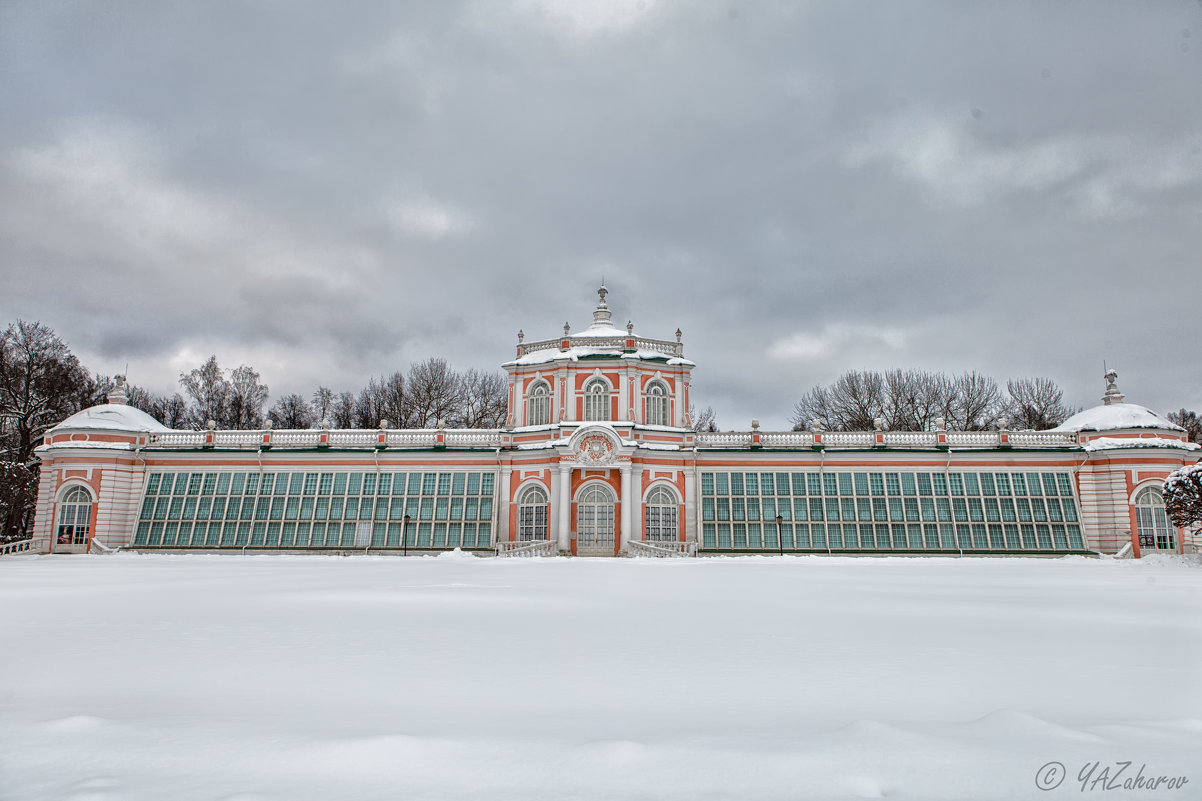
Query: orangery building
{"x": 598, "y": 457}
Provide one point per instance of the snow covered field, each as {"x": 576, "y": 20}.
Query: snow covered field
{"x": 454, "y": 677}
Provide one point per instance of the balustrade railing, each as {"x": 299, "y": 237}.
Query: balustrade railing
{"x": 661, "y": 549}
{"x": 724, "y": 439}
{"x": 528, "y": 548}
{"x": 849, "y": 439}
{"x": 1042, "y": 439}
{"x": 787, "y": 439}
{"x": 17, "y": 546}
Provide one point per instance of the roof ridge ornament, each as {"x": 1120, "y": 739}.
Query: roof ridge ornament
{"x": 1112, "y": 394}
{"x": 601, "y": 315}
{"x": 117, "y": 394}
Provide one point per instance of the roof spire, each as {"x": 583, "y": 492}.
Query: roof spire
{"x": 601, "y": 315}
{"x": 117, "y": 393}
{"x": 1112, "y": 394}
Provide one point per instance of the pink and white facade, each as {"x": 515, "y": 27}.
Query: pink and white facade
{"x": 598, "y": 458}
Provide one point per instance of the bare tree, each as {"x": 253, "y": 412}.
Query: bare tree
{"x": 41, "y": 382}
{"x": 343, "y": 410}
{"x": 248, "y": 396}
{"x": 483, "y": 400}
{"x": 1036, "y": 403}
{"x": 435, "y": 392}
{"x": 704, "y": 421}
{"x": 210, "y": 394}
{"x": 1190, "y": 422}
{"x": 323, "y": 403}
{"x": 18, "y": 493}
{"x": 291, "y": 411}
{"x": 977, "y": 403}
{"x": 170, "y": 410}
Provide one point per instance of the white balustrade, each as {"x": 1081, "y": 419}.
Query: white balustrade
{"x": 724, "y": 439}
{"x": 911, "y": 439}
{"x": 1042, "y": 439}
{"x": 17, "y": 546}
{"x": 787, "y": 439}
{"x": 662, "y": 549}
{"x": 973, "y": 439}
{"x": 528, "y": 548}
{"x": 848, "y": 439}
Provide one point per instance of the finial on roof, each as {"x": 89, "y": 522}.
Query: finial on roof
{"x": 601, "y": 315}
{"x": 678, "y": 335}
{"x": 117, "y": 393}
{"x": 629, "y": 327}
{"x": 1112, "y": 394}
{"x": 521, "y": 335}
{"x": 567, "y": 329}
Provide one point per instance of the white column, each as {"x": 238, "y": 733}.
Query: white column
{"x": 565, "y": 507}
{"x": 500, "y": 531}
{"x": 681, "y": 408}
{"x": 569, "y": 394}
{"x": 623, "y": 392}
{"x": 627, "y": 503}
{"x": 690, "y": 504}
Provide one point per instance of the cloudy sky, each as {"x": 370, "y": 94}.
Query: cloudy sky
{"x": 328, "y": 191}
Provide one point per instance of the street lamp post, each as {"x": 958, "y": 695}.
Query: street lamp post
{"x": 780, "y": 542}
{"x": 405, "y": 537}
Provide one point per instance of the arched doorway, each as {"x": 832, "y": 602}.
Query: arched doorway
{"x": 74, "y": 517}
{"x": 595, "y": 521}
{"x": 1155, "y": 532}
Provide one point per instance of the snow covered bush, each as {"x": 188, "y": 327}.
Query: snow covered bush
{"x": 1183, "y": 496}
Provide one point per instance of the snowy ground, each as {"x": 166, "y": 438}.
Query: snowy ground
{"x": 278, "y": 677}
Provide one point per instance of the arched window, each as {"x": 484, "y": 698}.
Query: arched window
{"x": 595, "y": 521}
{"x": 538, "y": 405}
{"x": 596, "y": 400}
{"x": 532, "y": 514}
{"x": 655, "y": 412}
{"x": 660, "y": 514}
{"x": 74, "y": 517}
{"x": 1153, "y": 523}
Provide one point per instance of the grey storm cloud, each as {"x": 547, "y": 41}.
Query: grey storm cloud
{"x": 330, "y": 191}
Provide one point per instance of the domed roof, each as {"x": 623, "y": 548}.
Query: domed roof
{"x": 114, "y": 417}
{"x": 1112, "y": 416}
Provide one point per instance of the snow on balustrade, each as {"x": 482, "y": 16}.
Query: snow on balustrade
{"x": 1042, "y": 439}
{"x": 974, "y": 439}
{"x": 482, "y": 438}
{"x": 724, "y": 439}
{"x": 849, "y": 439}
{"x": 295, "y": 439}
{"x": 352, "y": 438}
{"x": 662, "y": 550}
{"x": 911, "y": 439}
{"x": 787, "y": 439}
{"x": 19, "y": 546}
{"x": 177, "y": 439}
{"x": 235, "y": 439}
{"x": 418, "y": 438}
{"x": 528, "y": 548}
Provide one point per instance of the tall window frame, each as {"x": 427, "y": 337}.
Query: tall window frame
{"x": 1152, "y": 522}
{"x": 538, "y": 404}
{"x": 656, "y": 404}
{"x": 74, "y": 517}
{"x": 596, "y": 401}
{"x": 532, "y": 514}
{"x": 661, "y": 515}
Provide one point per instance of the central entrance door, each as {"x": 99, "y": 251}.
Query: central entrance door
{"x": 595, "y": 521}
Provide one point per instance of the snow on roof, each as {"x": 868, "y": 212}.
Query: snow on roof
{"x": 576, "y": 353}
{"x": 1115, "y": 416}
{"x": 114, "y": 417}
{"x": 595, "y": 330}
{"x": 1111, "y": 443}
